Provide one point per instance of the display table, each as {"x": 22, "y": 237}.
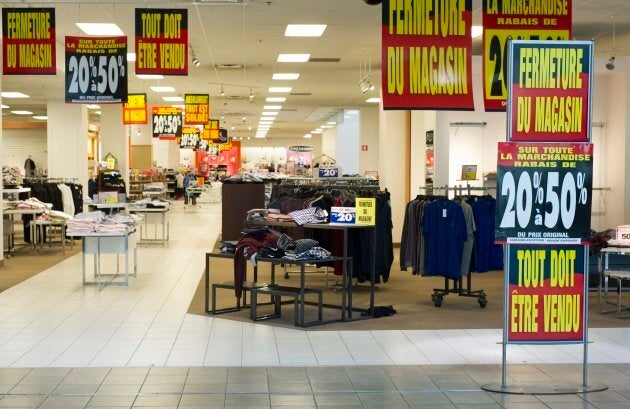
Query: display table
{"x": 108, "y": 207}
{"x": 192, "y": 192}
{"x": 155, "y": 216}
{"x": 39, "y": 227}
{"x": 12, "y": 212}
{"x": 154, "y": 193}
{"x": 16, "y": 191}
{"x": 108, "y": 243}
{"x": 606, "y": 274}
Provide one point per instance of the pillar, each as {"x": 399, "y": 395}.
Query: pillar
{"x": 115, "y": 138}
{"x": 348, "y": 142}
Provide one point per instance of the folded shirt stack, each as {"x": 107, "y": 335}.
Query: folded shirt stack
{"x": 314, "y": 253}
{"x": 309, "y": 215}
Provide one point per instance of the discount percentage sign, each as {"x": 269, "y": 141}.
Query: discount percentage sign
{"x": 581, "y": 177}
{"x": 540, "y": 192}
{"x": 121, "y": 66}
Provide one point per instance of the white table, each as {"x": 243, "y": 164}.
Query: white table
{"x": 16, "y": 191}
{"x": 21, "y": 212}
{"x": 109, "y": 207}
{"x": 41, "y": 225}
{"x": 605, "y": 273}
{"x": 154, "y": 193}
{"x": 108, "y": 243}
{"x": 156, "y": 216}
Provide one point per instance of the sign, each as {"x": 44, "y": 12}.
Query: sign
{"x": 96, "y": 69}
{"x": 328, "y": 171}
{"x": 167, "y": 122}
{"x": 28, "y": 41}
{"x": 342, "y": 215}
{"x": 223, "y": 136}
{"x": 190, "y": 138}
{"x": 544, "y": 193}
{"x": 546, "y": 294}
{"x": 623, "y": 235}
{"x": 111, "y": 161}
{"x": 211, "y": 130}
{"x": 550, "y": 83}
{"x": 469, "y": 172}
{"x": 204, "y": 145}
{"x": 539, "y": 20}
{"x": 135, "y": 110}
{"x": 301, "y": 148}
{"x": 366, "y": 211}
{"x": 364, "y": 148}
{"x": 197, "y": 110}
{"x": 162, "y": 41}
{"x": 427, "y": 54}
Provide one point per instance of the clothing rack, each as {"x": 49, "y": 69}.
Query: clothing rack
{"x": 335, "y": 182}
{"x": 52, "y": 180}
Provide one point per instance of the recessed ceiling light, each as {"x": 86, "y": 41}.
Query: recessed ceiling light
{"x": 305, "y": 30}
{"x": 293, "y": 57}
{"x": 22, "y": 112}
{"x": 13, "y": 95}
{"x": 374, "y": 100}
{"x": 40, "y": 117}
{"x": 326, "y": 126}
{"x": 100, "y": 29}
{"x": 308, "y": 136}
{"x": 275, "y": 99}
{"x": 92, "y": 106}
{"x": 131, "y": 57}
{"x": 173, "y": 99}
{"x": 331, "y": 123}
{"x": 5, "y": 106}
{"x": 260, "y": 136}
{"x": 269, "y": 113}
{"x": 289, "y": 76}
{"x": 265, "y": 122}
{"x": 150, "y": 76}
{"x": 272, "y": 107}
{"x": 280, "y": 89}
{"x": 268, "y": 118}
{"x": 476, "y": 31}
{"x": 97, "y": 112}
{"x": 163, "y": 89}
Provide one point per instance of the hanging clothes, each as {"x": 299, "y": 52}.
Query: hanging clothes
{"x": 488, "y": 256}
{"x": 29, "y": 167}
{"x": 470, "y": 242}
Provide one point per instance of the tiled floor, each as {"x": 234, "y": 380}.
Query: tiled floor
{"x": 137, "y": 346}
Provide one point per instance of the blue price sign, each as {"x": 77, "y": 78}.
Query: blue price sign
{"x": 328, "y": 171}
{"x": 343, "y": 215}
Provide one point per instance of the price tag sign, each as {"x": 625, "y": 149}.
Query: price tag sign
{"x": 96, "y": 69}
{"x": 167, "y": 122}
{"x": 544, "y": 193}
{"x": 342, "y": 215}
{"x": 328, "y": 171}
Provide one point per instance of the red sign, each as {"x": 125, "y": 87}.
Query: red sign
{"x": 162, "y": 41}
{"x": 364, "y": 148}
{"x": 427, "y": 55}
{"x": 28, "y": 41}
{"x": 519, "y": 21}
{"x": 135, "y": 109}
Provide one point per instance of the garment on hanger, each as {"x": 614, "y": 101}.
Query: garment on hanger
{"x": 29, "y": 167}
{"x": 488, "y": 256}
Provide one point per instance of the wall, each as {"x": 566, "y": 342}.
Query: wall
{"x": 368, "y": 135}
{"x": 18, "y": 144}
{"x": 421, "y": 122}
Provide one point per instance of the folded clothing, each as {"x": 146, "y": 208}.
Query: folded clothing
{"x": 314, "y": 253}
{"x": 309, "y": 215}
{"x": 302, "y": 245}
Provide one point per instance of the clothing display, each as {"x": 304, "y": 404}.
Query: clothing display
{"x": 29, "y": 167}
{"x": 488, "y": 255}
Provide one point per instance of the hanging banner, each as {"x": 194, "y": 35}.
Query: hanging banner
{"x": 550, "y": 83}
{"x": 520, "y": 20}
{"x": 28, "y": 41}
{"x": 96, "y": 69}
{"x": 211, "y": 130}
{"x": 204, "y": 145}
{"x": 546, "y": 289}
{"x": 162, "y": 41}
{"x": 190, "y": 138}
{"x": 223, "y": 136}
{"x": 167, "y": 122}
{"x": 544, "y": 193}
{"x": 197, "y": 110}
{"x": 135, "y": 110}
{"x": 427, "y": 54}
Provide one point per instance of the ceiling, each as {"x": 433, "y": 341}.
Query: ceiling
{"x": 249, "y": 34}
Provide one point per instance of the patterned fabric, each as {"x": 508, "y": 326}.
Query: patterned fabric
{"x": 310, "y": 215}
{"x": 315, "y": 253}
{"x": 302, "y": 245}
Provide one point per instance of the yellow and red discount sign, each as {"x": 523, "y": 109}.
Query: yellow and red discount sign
{"x": 427, "y": 54}
{"x": 135, "y": 109}
{"x": 197, "y": 109}
{"x": 520, "y": 21}
{"x": 162, "y": 41}
{"x": 28, "y": 41}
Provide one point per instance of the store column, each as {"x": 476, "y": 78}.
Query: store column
{"x": 67, "y": 141}
{"x": 348, "y": 142}
{"x": 1, "y": 194}
{"x": 115, "y": 138}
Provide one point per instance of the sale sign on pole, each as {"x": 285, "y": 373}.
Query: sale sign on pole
{"x": 28, "y": 41}
{"x": 162, "y": 41}
{"x": 167, "y": 122}
{"x": 546, "y": 294}
{"x": 550, "y": 85}
{"x": 540, "y": 20}
{"x": 197, "y": 109}
{"x": 544, "y": 193}
{"x": 135, "y": 109}
{"x": 427, "y": 54}
{"x": 96, "y": 69}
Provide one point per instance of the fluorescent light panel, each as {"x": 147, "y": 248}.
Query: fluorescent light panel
{"x": 13, "y": 95}
{"x": 100, "y": 29}
{"x": 5, "y": 106}
{"x": 265, "y": 122}
{"x": 280, "y": 89}
{"x": 374, "y": 100}
{"x": 269, "y": 113}
{"x": 150, "y": 76}
{"x": 308, "y": 136}
{"x": 304, "y": 30}
{"x": 131, "y": 57}
{"x": 275, "y": 99}
{"x": 331, "y": 123}
{"x": 162, "y": 89}
{"x": 476, "y": 31}
{"x": 40, "y": 117}
{"x": 293, "y": 57}
{"x": 173, "y": 99}
{"x": 92, "y": 106}
{"x": 272, "y": 107}
{"x": 22, "y": 112}
{"x": 285, "y": 76}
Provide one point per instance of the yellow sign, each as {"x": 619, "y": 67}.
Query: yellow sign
{"x": 366, "y": 211}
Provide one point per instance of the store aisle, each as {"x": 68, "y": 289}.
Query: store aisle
{"x": 51, "y": 320}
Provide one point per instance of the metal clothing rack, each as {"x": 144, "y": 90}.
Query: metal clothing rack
{"x": 439, "y": 293}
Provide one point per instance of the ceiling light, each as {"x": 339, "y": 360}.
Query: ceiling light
{"x": 610, "y": 65}
{"x": 222, "y": 91}
{"x": 249, "y": 128}
{"x": 182, "y": 107}
{"x": 272, "y": 107}
{"x": 131, "y": 57}
{"x": 268, "y": 118}
{"x": 196, "y": 62}
{"x": 317, "y": 131}
{"x": 22, "y": 112}
{"x": 265, "y": 122}
{"x": 163, "y": 89}
{"x": 304, "y": 30}
{"x": 293, "y": 57}
{"x": 280, "y": 89}
{"x": 150, "y": 76}
{"x": 14, "y": 95}
{"x": 331, "y": 123}
{"x": 173, "y": 99}
{"x": 92, "y": 106}
{"x": 97, "y": 112}
{"x": 259, "y": 136}
{"x": 286, "y": 76}
{"x": 251, "y": 95}
{"x": 5, "y": 106}
{"x": 326, "y": 126}
{"x": 374, "y": 100}
{"x": 100, "y": 29}
{"x": 476, "y": 31}
{"x": 275, "y": 99}
{"x": 308, "y": 136}
{"x": 269, "y": 113}
{"x": 232, "y": 128}
{"x": 40, "y": 117}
